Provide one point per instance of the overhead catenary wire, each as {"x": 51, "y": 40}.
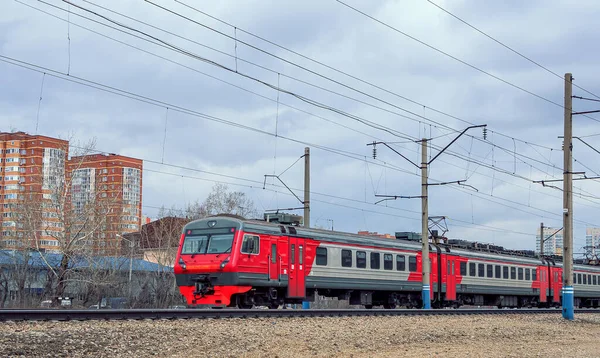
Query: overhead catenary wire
{"x": 509, "y": 48}
{"x": 456, "y": 58}
{"x": 319, "y": 105}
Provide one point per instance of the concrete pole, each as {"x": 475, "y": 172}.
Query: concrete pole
{"x": 567, "y": 292}
{"x": 307, "y": 187}
{"x": 306, "y": 304}
{"x": 426, "y": 296}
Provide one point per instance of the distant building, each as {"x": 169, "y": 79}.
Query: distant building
{"x": 116, "y": 181}
{"x": 592, "y": 240}
{"x": 368, "y": 233}
{"x": 552, "y": 246}
{"x": 158, "y": 240}
{"x": 30, "y": 166}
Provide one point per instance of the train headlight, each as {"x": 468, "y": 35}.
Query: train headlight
{"x": 182, "y": 263}
{"x": 224, "y": 263}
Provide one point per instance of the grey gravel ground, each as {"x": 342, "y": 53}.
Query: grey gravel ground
{"x": 444, "y": 336}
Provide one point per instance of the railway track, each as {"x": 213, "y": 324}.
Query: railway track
{"x": 156, "y": 314}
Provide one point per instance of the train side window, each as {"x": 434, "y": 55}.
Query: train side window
{"x": 300, "y": 255}
{"x": 527, "y": 274}
{"x": 589, "y": 279}
{"x": 498, "y": 271}
{"x": 274, "y": 253}
{"x": 534, "y": 274}
{"x": 505, "y": 272}
{"x": 481, "y": 270}
{"x": 361, "y": 259}
{"x": 472, "y": 269}
{"x": 375, "y": 260}
{"x": 250, "y": 245}
{"x": 346, "y": 258}
{"x": 513, "y": 273}
{"x": 412, "y": 263}
{"x": 400, "y": 263}
{"x": 463, "y": 269}
{"x": 585, "y": 279}
{"x": 574, "y": 278}
{"x": 321, "y": 256}
{"x": 594, "y": 279}
{"x": 579, "y": 280}
{"x": 388, "y": 261}
{"x": 520, "y": 271}
{"x": 453, "y": 272}
{"x": 490, "y": 270}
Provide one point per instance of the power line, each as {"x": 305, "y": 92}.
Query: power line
{"x": 456, "y": 58}
{"x": 509, "y": 48}
{"x": 348, "y": 74}
{"x": 387, "y": 129}
{"x": 171, "y": 47}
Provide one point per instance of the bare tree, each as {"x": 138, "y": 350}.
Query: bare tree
{"x": 222, "y": 201}
{"x": 64, "y": 208}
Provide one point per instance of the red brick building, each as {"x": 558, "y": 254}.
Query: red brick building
{"x": 115, "y": 181}
{"x": 32, "y": 167}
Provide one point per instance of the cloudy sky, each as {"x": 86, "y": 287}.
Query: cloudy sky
{"x": 223, "y": 126}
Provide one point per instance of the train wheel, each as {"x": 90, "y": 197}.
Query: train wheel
{"x": 368, "y": 307}
{"x": 389, "y": 306}
{"x": 244, "y": 306}
{"x": 273, "y": 306}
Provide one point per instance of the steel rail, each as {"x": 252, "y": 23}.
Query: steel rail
{"x": 157, "y": 314}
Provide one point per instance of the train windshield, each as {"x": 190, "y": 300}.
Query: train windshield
{"x": 198, "y": 242}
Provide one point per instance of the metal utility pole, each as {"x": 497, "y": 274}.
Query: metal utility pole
{"x": 567, "y": 292}
{"x": 307, "y": 187}
{"x": 426, "y": 295}
{"x": 542, "y": 240}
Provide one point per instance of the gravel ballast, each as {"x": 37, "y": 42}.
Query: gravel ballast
{"x": 472, "y": 336}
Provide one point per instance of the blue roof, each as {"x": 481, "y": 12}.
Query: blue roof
{"x": 41, "y": 260}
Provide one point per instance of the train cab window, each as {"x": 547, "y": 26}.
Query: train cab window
{"x": 361, "y": 259}
{"x": 250, "y": 245}
{"x": 594, "y": 279}
{"x": 520, "y": 271}
{"x": 463, "y": 269}
{"x": 412, "y": 263}
{"x": 400, "y": 263}
{"x": 505, "y": 272}
{"x": 375, "y": 260}
{"x": 321, "y": 256}
{"x": 346, "y": 258}
{"x": 490, "y": 270}
{"x": 273, "y": 253}
{"x": 527, "y": 274}
{"x": 481, "y": 270}
{"x": 585, "y": 279}
{"x": 388, "y": 262}
{"x": 498, "y": 272}
{"x": 472, "y": 269}
{"x": 513, "y": 273}
{"x": 579, "y": 280}
{"x": 534, "y": 274}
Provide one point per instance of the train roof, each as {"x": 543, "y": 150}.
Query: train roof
{"x": 481, "y": 251}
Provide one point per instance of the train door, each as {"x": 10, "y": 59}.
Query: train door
{"x": 543, "y": 284}
{"x": 557, "y": 283}
{"x": 274, "y": 260}
{"x": 296, "y": 283}
{"x": 450, "y": 278}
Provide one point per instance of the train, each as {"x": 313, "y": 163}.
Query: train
{"x": 230, "y": 261}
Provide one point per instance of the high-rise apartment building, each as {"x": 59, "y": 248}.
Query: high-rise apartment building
{"x": 553, "y": 245}
{"x": 32, "y": 171}
{"x": 592, "y": 240}
{"x": 114, "y": 184}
